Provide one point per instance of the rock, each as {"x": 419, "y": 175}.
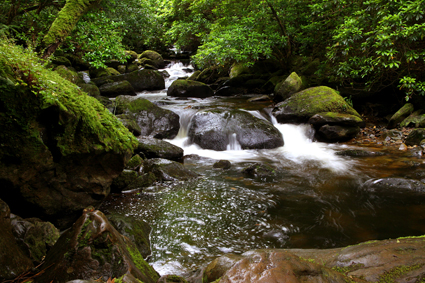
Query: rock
{"x": 279, "y": 266}
{"x": 189, "y": 88}
{"x": 301, "y": 106}
{"x": 396, "y": 189}
{"x": 171, "y": 279}
{"x": 140, "y": 80}
{"x": 13, "y": 261}
{"x": 131, "y": 68}
{"x": 155, "y": 58}
{"x": 167, "y": 170}
{"x": 152, "y": 120}
{"x": 90, "y": 89}
{"x": 332, "y": 118}
{"x": 400, "y": 115}
{"x": 130, "y": 123}
{"x": 122, "y": 69}
{"x": 416, "y": 119}
{"x": 155, "y": 148}
{"x": 94, "y": 249}
{"x": 113, "y": 63}
{"x": 259, "y": 170}
{"x": 68, "y": 74}
{"x": 131, "y": 180}
{"x": 136, "y": 230}
{"x": 34, "y": 236}
{"x": 238, "y": 69}
{"x": 229, "y": 91}
{"x": 263, "y": 98}
{"x": 212, "y": 129}
{"x": 285, "y": 88}
{"x": 210, "y": 75}
{"x": 61, "y": 60}
{"x": 223, "y": 164}
{"x": 415, "y": 136}
{"x": 134, "y": 163}
{"x": 117, "y": 88}
{"x": 359, "y": 153}
{"x": 194, "y": 76}
{"x": 60, "y": 150}
{"x": 403, "y": 147}
{"x": 99, "y": 73}
{"x": 132, "y": 55}
{"x": 335, "y": 133}
{"x": 113, "y": 72}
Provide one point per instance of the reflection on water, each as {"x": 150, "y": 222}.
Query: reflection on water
{"x": 313, "y": 200}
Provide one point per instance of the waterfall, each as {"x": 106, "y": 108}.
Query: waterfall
{"x": 233, "y": 143}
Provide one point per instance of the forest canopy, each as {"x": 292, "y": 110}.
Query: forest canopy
{"x": 366, "y": 45}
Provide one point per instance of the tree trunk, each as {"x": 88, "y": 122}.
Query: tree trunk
{"x": 65, "y": 22}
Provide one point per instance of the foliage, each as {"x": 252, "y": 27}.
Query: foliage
{"x": 381, "y": 44}
{"x": 98, "y": 38}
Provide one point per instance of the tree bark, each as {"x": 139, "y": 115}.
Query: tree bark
{"x": 65, "y": 22}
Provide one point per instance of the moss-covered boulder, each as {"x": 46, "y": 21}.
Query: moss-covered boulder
{"x": 400, "y": 115}
{"x": 60, "y": 147}
{"x": 13, "y": 261}
{"x": 210, "y": 75}
{"x": 91, "y": 89}
{"x": 131, "y": 68}
{"x": 415, "y": 137}
{"x": 35, "y": 237}
{"x": 238, "y": 69}
{"x": 140, "y": 80}
{"x": 301, "y": 106}
{"x": 416, "y": 119}
{"x": 136, "y": 230}
{"x": 68, "y": 74}
{"x": 189, "y": 88}
{"x": 222, "y": 164}
{"x": 132, "y": 55}
{"x": 113, "y": 71}
{"x": 135, "y": 162}
{"x": 285, "y": 88}
{"x": 214, "y": 129}
{"x": 155, "y": 148}
{"x": 94, "y": 249}
{"x": 61, "y": 60}
{"x": 154, "y": 57}
{"x": 332, "y": 118}
{"x": 152, "y": 120}
{"x": 117, "y": 88}
{"x": 167, "y": 170}
{"x": 130, "y": 122}
{"x": 99, "y": 72}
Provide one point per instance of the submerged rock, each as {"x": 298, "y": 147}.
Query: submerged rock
{"x": 213, "y": 129}
{"x": 93, "y": 249}
{"x": 301, "y": 106}
{"x": 167, "y": 170}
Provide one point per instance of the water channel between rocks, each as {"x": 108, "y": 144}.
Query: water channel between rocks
{"x": 315, "y": 199}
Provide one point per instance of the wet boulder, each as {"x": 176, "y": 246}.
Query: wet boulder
{"x": 34, "y": 236}
{"x": 155, "y": 148}
{"x": 400, "y": 115}
{"x": 135, "y": 229}
{"x": 167, "y": 170}
{"x": 152, "y": 120}
{"x": 285, "y": 88}
{"x": 189, "y": 88}
{"x": 140, "y": 80}
{"x": 155, "y": 59}
{"x": 214, "y": 129}
{"x": 90, "y": 88}
{"x": 13, "y": 260}
{"x": 415, "y": 137}
{"x": 93, "y": 249}
{"x": 301, "y": 106}
{"x": 117, "y": 88}
{"x": 222, "y": 164}
{"x": 336, "y": 133}
{"x": 332, "y": 118}
{"x": 416, "y": 119}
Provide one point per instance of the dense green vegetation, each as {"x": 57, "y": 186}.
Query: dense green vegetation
{"x": 363, "y": 44}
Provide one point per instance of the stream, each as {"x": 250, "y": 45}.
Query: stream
{"x": 316, "y": 199}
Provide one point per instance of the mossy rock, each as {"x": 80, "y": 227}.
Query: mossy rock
{"x": 285, "y": 88}
{"x": 99, "y": 72}
{"x": 113, "y": 72}
{"x": 415, "y": 136}
{"x": 62, "y": 130}
{"x": 222, "y": 164}
{"x": 336, "y": 133}
{"x": 117, "y": 88}
{"x": 416, "y": 119}
{"x": 134, "y": 163}
{"x": 238, "y": 69}
{"x": 400, "y": 115}
{"x": 90, "y": 89}
{"x": 94, "y": 249}
{"x": 130, "y": 123}
{"x": 168, "y": 170}
{"x": 35, "y": 237}
{"x": 194, "y": 76}
{"x": 132, "y": 55}
{"x": 140, "y": 80}
{"x": 122, "y": 69}
{"x": 68, "y": 74}
{"x": 301, "y": 106}
{"x": 332, "y": 118}
{"x": 188, "y": 88}
{"x": 172, "y": 279}
{"x": 131, "y": 68}
{"x": 155, "y": 148}
{"x": 154, "y": 57}
{"x": 210, "y": 75}
{"x": 61, "y": 60}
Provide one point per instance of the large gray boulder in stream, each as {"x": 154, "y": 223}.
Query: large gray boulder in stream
{"x": 398, "y": 260}
{"x": 301, "y": 106}
{"x": 140, "y": 80}
{"x": 60, "y": 149}
{"x": 189, "y": 88}
{"x": 215, "y": 129}
{"x": 152, "y": 120}
{"x": 93, "y": 249}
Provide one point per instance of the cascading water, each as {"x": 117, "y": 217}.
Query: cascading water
{"x": 312, "y": 199}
